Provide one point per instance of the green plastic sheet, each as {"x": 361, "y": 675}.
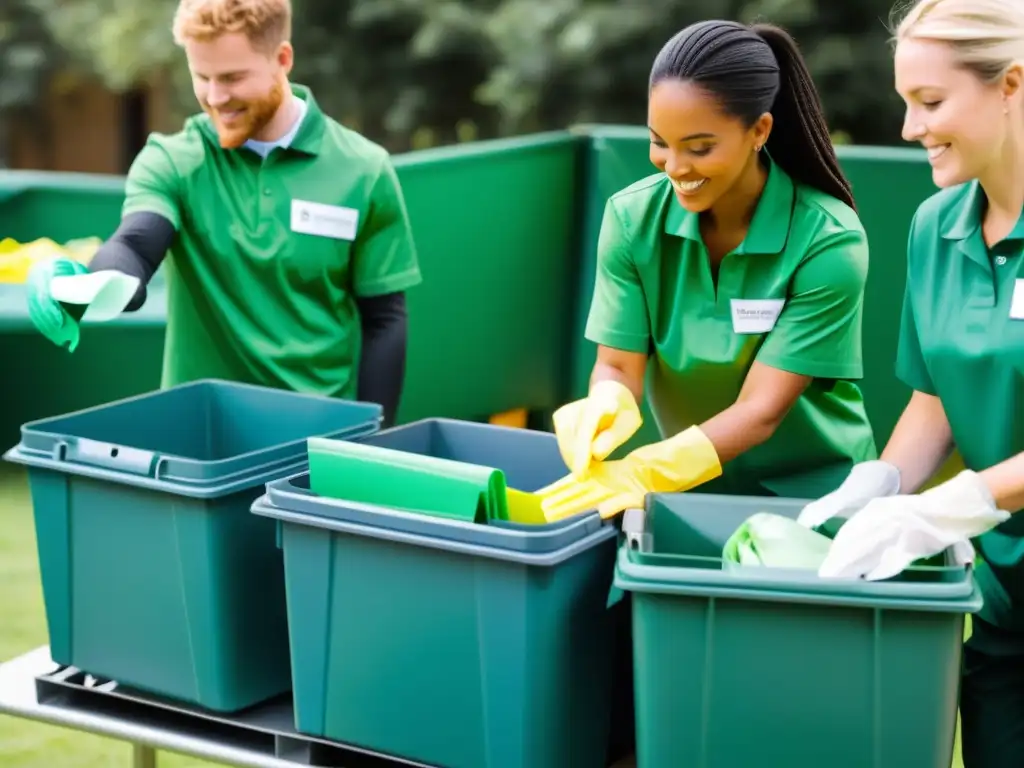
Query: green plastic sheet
{"x": 413, "y": 482}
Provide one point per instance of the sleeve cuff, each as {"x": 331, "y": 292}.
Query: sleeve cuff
{"x": 152, "y": 206}
{"x": 916, "y": 383}
{"x": 627, "y": 342}
{"x": 410, "y": 278}
{"x": 819, "y": 369}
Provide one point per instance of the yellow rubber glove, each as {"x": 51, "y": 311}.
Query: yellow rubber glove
{"x": 670, "y": 466}
{"x": 593, "y": 427}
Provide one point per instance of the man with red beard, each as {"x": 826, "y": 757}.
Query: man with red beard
{"x": 290, "y": 246}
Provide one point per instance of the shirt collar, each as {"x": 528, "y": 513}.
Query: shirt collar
{"x": 310, "y": 130}
{"x": 769, "y": 227}
{"x": 262, "y": 147}
{"x": 964, "y": 220}
{"x": 309, "y": 138}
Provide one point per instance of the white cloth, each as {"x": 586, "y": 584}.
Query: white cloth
{"x": 890, "y": 533}
{"x": 105, "y": 293}
{"x": 866, "y": 481}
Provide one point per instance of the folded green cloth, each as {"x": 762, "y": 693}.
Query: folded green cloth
{"x": 777, "y": 542}
{"x": 781, "y": 542}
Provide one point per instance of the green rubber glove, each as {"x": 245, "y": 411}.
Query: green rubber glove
{"x": 57, "y": 322}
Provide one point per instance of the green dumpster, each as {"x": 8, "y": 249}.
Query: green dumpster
{"x": 49, "y": 381}
{"x": 494, "y": 228}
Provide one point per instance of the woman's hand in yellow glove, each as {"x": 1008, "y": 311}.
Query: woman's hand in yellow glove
{"x": 591, "y": 428}
{"x": 677, "y": 464}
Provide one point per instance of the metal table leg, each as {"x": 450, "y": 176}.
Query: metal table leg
{"x": 143, "y": 756}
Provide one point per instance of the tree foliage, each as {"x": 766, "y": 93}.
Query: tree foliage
{"x": 411, "y": 73}
{"x": 123, "y": 41}
{"x": 29, "y": 56}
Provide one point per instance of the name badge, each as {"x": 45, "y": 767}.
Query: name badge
{"x": 1017, "y": 306}
{"x": 755, "y": 315}
{"x": 333, "y": 221}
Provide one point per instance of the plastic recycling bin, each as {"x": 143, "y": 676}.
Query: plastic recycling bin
{"x": 154, "y": 572}
{"x": 778, "y": 668}
{"x": 446, "y": 641}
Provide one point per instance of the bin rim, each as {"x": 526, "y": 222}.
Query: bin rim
{"x": 460, "y": 423}
{"x": 544, "y": 559}
{"x": 42, "y": 448}
{"x": 632, "y": 576}
{"x": 285, "y": 495}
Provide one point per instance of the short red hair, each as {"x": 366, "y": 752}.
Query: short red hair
{"x": 267, "y": 23}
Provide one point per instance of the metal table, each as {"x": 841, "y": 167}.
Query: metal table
{"x": 34, "y": 688}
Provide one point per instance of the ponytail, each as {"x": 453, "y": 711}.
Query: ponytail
{"x": 799, "y": 141}
{"x": 758, "y": 69}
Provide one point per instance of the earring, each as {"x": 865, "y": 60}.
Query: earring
{"x": 757, "y": 147}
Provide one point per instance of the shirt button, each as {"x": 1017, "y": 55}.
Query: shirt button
{"x": 1000, "y": 260}
{"x": 267, "y": 193}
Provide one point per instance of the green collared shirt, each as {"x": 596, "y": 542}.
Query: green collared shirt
{"x": 962, "y": 339}
{"x": 270, "y": 254}
{"x": 790, "y": 296}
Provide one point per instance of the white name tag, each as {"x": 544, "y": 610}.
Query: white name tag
{"x": 755, "y": 315}
{"x": 324, "y": 220}
{"x": 1017, "y": 307}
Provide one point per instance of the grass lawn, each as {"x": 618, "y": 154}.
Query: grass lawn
{"x": 26, "y": 744}
{"x": 23, "y": 627}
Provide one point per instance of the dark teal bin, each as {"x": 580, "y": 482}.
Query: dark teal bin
{"x": 447, "y": 642}
{"x": 778, "y": 668}
{"x": 154, "y": 573}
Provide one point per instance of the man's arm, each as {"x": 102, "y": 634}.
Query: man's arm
{"x": 150, "y": 217}
{"x": 385, "y": 267}
{"x": 137, "y": 248}
{"x": 384, "y": 324}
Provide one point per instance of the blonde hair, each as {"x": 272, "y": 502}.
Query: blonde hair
{"x": 987, "y": 36}
{"x": 267, "y": 23}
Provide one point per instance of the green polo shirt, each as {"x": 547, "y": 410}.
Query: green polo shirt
{"x": 270, "y": 254}
{"x": 962, "y": 339}
{"x": 790, "y": 296}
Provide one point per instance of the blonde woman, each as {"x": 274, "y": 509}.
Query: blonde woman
{"x": 959, "y": 67}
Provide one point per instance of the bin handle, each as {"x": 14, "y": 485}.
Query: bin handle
{"x": 634, "y": 523}
{"x": 95, "y": 453}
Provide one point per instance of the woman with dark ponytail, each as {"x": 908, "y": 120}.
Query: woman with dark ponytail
{"x": 732, "y": 282}
{"x": 736, "y": 275}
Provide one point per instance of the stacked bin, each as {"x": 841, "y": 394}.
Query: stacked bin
{"x": 777, "y": 668}
{"x": 446, "y": 641}
{"x": 154, "y": 573}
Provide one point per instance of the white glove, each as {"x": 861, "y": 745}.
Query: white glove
{"x": 889, "y": 534}
{"x": 866, "y": 481}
